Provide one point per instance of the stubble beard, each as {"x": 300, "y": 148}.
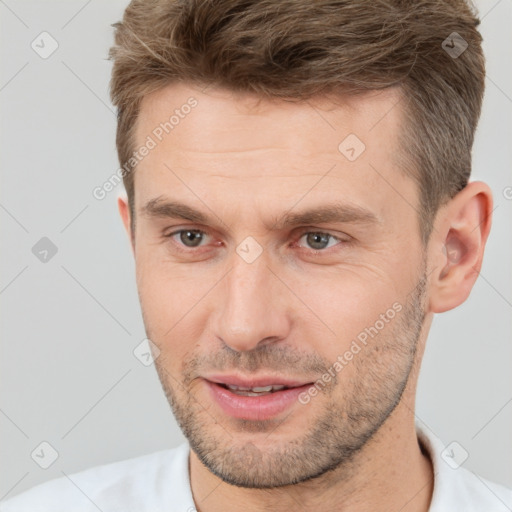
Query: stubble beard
{"x": 346, "y": 425}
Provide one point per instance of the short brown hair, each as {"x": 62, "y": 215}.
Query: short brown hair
{"x": 296, "y": 49}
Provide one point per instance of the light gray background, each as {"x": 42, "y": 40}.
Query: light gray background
{"x": 68, "y": 374}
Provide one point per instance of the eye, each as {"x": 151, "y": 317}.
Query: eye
{"x": 188, "y": 237}
{"x": 319, "y": 241}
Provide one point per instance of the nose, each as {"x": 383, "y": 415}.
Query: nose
{"x": 252, "y": 309}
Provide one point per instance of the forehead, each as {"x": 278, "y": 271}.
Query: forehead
{"x": 221, "y": 119}
{"x": 217, "y": 143}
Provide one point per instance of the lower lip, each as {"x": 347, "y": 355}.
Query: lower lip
{"x": 256, "y": 408}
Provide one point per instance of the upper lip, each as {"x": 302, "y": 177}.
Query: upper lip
{"x": 254, "y": 382}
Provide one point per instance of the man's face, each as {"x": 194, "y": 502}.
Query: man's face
{"x": 252, "y": 293}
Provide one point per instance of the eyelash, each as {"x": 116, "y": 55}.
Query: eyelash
{"x": 185, "y": 249}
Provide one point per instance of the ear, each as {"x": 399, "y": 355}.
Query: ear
{"x": 456, "y": 248}
{"x": 124, "y": 211}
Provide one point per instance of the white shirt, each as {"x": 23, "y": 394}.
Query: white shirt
{"x": 159, "y": 482}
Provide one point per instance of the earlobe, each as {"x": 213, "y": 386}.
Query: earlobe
{"x": 457, "y": 246}
{"x": 124, "y": 212}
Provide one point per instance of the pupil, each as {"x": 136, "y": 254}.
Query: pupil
{"x": 318, "y": 240}
{"x": 191, "y": 238}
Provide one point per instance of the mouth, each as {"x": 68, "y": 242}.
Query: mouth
{"x": 256, "y": 390}
{"x": 256, "y": 399}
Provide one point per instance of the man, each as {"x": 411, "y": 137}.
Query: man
{"x": 298, "y": 206}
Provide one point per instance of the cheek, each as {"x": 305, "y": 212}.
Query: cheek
{"x": 342, "y": 307}
{"x": 165, "y": 302}
{"x": 173, "y": 302}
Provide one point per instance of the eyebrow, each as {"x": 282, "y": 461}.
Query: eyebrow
{"x": 157, "y": 208}
{"x": 335, "y": 213}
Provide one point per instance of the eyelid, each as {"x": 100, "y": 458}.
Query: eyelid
{"x": 342, "y": 237}
{"x": 180, "y": 246}
{"x": 175, "y": 231}
{"x": 326, "y": 250}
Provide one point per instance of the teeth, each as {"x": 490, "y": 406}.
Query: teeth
{"x": 262, "y": 389}
{"x": 237, "y": 388}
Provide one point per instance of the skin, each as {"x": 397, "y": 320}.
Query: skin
{"x": 291, "y": 312}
